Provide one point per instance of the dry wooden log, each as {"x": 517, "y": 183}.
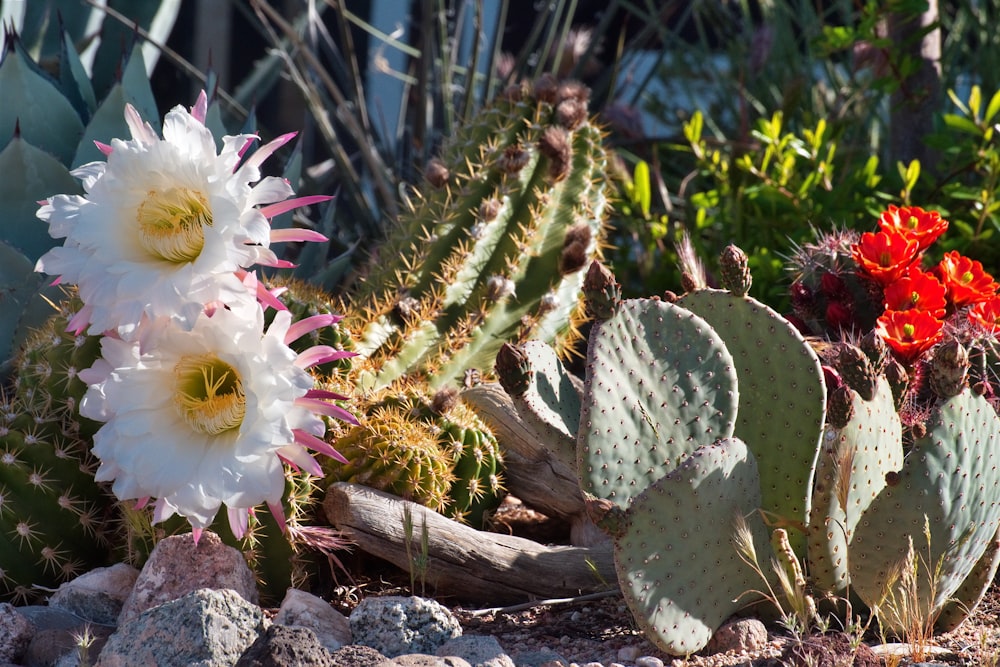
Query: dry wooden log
{"x": 532, "y": 472}
{"x": 469, "y": 564}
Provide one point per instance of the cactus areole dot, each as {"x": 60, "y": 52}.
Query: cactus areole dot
{"x": 209, "y": 394}
{"x": 172, "y": 224}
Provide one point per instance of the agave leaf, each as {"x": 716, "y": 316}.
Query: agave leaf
{"x": 23, "y": 297}
{"x": 30, "y": 174}
{"x": 73, "y": 79}
{"x": 155, "y": 17}
{"x": 109, "y": 119}
{"x": 32, "y": 100}
{"x": 39, "y": 17}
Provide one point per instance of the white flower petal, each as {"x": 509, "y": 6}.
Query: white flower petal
{"x": 163, "y": 439}
{"x": 163, "y": 227}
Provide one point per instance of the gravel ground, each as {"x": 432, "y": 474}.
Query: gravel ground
{"x": 601, "y": 630}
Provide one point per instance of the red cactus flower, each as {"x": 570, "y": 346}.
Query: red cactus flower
{"x": 886, "y": 256}
{"x": 914, "y": 223}
{"x": 909, "y": 333}
{"x": 917, "y": 290}
{"x": 839, "y": 315}
{"x": 832, "y": 286}
{"x": 965, "y": 279}
{"x": 986, "y": 314}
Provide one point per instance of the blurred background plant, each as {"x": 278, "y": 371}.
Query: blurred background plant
{"x": 756, "y": 121}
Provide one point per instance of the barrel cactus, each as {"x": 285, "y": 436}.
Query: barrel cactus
{"x": 433, "y": 450}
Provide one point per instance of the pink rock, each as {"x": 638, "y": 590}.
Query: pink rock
{"x": 742, "y": 634}
{"x": 177, "y": 566}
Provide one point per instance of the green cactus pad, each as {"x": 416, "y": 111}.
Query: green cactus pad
{"x": 870, "y": 444}
{"x": 680, "y": 573}
{"x": 964, "y": 601}
{"x": 550, "y": 402}
{"x": 782, "y": 401}
{"x": 951, "y": 476}
{"x": 659, "y": 383}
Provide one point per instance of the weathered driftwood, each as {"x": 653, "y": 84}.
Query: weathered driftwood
{"x": 468, "y": 564}
{"x": 532, "y": 472}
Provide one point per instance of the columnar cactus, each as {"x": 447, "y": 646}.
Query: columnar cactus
{"x": 494, "y": 247}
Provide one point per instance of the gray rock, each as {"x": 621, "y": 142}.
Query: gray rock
{"x": 545, "y": 657}
{"x": 177, "y": 567}
{"x": 98, "y": 595}
{"x": 424, "y": 660}
{"x": 648, "y": 661}
{"x": 286, "y": 646}
{"x": 205, "y": 628}
{"x": 301, "y": 609}
{"x": 477, "y": 650}
{"x": 355, "y": 655}
{"x": 398, "y": 625}
{"x": 15, "y": 633}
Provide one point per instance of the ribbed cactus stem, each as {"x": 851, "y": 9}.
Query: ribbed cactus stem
{"x": 493, "y": 251}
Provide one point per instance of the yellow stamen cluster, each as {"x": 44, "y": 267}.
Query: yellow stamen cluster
{"x": 172, "y": 224}
{"x": 209, "y": 394}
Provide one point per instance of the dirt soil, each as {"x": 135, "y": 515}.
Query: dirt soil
{"x": 600, "y": 628}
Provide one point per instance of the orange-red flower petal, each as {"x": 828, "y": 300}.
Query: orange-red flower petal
{"x": 917, "y": 290}
{"x": 885, "y": 256}
{"x": 909, "y": 333}
{"x": 965, "y": 279}
{"x": 986, "y": 314}
{"x": 914, "y": 223}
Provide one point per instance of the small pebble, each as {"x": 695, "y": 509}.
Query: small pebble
{"x": 648, "y": 661}
{"x": 576, "y": 617}
{"x": 565, "y": 640}
{"x": 628, "y": 653}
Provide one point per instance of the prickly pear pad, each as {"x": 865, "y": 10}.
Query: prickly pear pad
{"x": 550, "y": 402}
{"x": 972, "y": 591}
{"x": 868, "y": 447}
{"x": 782, "y": 401}
{"x": 951, "y": 476}
{"x": 659, "y": 383}
{"x": 680, "y": 572}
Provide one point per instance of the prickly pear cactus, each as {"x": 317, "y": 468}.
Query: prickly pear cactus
{"x": 493, "y": 248}
{"x": 546, "y": 396}
{"x": 949, "y": 479}
{"x": 782, "y": 398}
{"x": 855, "y": 462}
{"x": 659, "y": 383}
